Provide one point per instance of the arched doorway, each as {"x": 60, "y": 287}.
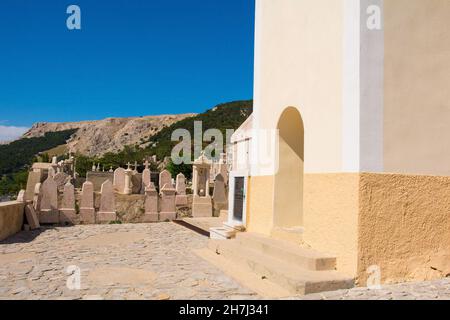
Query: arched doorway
{"x": 288, "y": 193}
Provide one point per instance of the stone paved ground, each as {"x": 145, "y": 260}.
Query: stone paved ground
{"x": 141, "y": 261}
{"x": 135, "y": 261}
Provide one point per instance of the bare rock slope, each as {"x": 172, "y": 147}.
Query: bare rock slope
{"x": 95, "y": 138}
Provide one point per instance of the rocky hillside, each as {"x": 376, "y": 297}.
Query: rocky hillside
{"x": 95, "y": 138}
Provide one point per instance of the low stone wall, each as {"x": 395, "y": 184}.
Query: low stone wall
{"x": 11, "y": 218}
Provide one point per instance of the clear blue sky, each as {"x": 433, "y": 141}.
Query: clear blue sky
{"x": 131, "y": 58}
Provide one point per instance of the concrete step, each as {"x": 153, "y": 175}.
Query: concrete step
{"x": 293, "y": 278}
{"x": 288, "y": 252}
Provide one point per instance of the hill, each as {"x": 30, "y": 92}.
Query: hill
{"x": 95, "y": 138}
{"x": 110, "y": 142}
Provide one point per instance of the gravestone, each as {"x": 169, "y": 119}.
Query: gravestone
{"x": 119, "y": 180}
{"x": 151, "y": 204}
{"x": 34, "y": 177}
{"x": 201, "y": 202}
{"x": 61, "y": 179}
{"x": 136, "y": 182}
{"x": 220, "y": 199}
{"x": 21, "y": 196}
{"x": 181, "y": 198}
{"x": 67, "y": 213}
{"x": 49, "y": 212}
{"x": 168, "y": 208}
{"x": 107, "y": 211}
{"x": 165, "y": 178}
{"x": 146, "y": 179}
{"x": 37, "y": 197}
{"x": 32, "y": 218}
{"x": 87, "y": 210}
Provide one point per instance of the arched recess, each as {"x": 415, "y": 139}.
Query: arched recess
{"x": 288, "y": 193}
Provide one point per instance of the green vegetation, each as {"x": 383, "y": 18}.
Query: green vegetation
{"x": 222, "y": 117}
{"x": 19, "y": 154}
{"x": 17, "y": 157}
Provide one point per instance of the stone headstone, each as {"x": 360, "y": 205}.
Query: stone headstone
{"x": 87, "y": 210}
{"x": 34, "y": 177}
{"x": 107, "y": 211}
{"x": 61, "y": 179}
{"x": 48, "y": 212}
{"x": 37, "y": 197}
{"x": 165, "y": 178}
{"x": 146, "y": 179}
{"x": 181, "y": 198}
{"x": 220, "y": 199}
{"x": 32, "y": 218}
{"x": 67, "y": 213}
{"x": 168, "y": 207}
{"x": 119, "y": 180}
{"x": 136, "y": 182}
{"x": 21, "y": 196}
{"x": 151, "y": 204}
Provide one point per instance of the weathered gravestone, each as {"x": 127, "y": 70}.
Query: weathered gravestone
{"x": 165, "y": 178}
{"x": 151, "y": 204}
{"x": 67, "y": 213}
{"x": 61, "y": 179}
{"x": 107, "y": 211}
{"x": 119, "y": 180}
{"x": 181, "y": 198}
{"x": 37, "y": 197}
{"x": 220, "y": 199}
{"x": 136, "y": 182}
{"x": 32, "y": 218}
{"x": 87, "y": 210}
{"x": 34, "y": 177}
{"x": 49, "y": 212}
{"x": 21, "y": 196}
{"x": 146, "y": 179}
{"x": 168, "y": 208}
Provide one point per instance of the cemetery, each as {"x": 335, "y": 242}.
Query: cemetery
{"x": 120, "y": 195}
{"x": 336, "y": 184}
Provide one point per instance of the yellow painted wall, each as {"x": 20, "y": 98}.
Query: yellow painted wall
{"x": 260, "y": 204}
{"x": 330, "y": 218}
{"x": 404, "y": 226}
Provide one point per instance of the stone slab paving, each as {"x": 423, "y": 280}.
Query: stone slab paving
{"x": 427, "y": 290}
{"x": 142, "y": 261}
{"x": 135, "y": 261}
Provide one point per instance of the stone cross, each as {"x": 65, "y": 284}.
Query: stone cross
{"x": 129, "y": 165}
{"x": 146, "y": 164}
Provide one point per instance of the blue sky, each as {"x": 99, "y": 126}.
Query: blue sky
{"x": 131, "y": 58}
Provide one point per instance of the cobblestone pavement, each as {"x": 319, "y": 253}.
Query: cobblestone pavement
{"x": 135, "y": 261}
{"x": 142, "y": 261}
{"x": 427, "y": 290}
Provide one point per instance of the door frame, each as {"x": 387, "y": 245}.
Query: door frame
{"x": 232, "y": 176}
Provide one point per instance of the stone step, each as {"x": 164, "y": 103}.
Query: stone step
{"x": 293, "y": 278}
{"x": 288, "y": 252}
